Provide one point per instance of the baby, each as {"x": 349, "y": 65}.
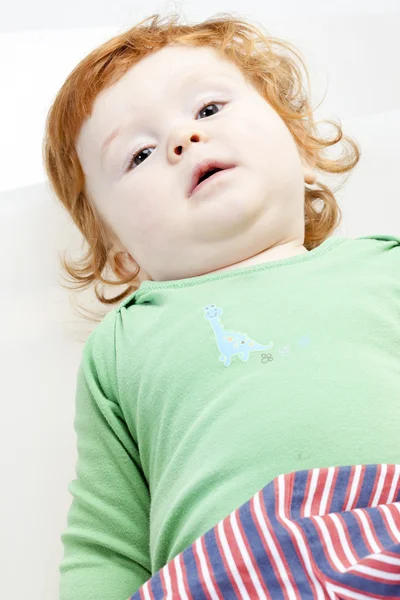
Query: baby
{"x": 252, "y": 360}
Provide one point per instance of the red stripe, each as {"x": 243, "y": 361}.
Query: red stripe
{"x": 289, "y": 480}
{"x": 306, "y": 492}
{"x": 264, "y": 541}
{"x": 227, "y": 569}
{"x": 358, "y": 489}
{"x": 319, "y": 490}
{"x": 349, "y": 596}
{"x": 348, "y": 536}
{"x": 324, "y": 545}
{"x": 321, "y": 576}
{"x": 381, "y": 566}
{"x": 332, "y": 491}
{"x": 391, "y": 554}
{"x": 390, "y": 475}
{"x": 173, "y": 577}
{"x": 162, "y": 579}
{"x": 373, "y": 530}
{"x": 251, "y": 555}
{"x": 375, "y": 578}
{"x": 244, "y": 573}
{"x": 210, "y": 571}
{"x": 397, "y": 491}
{"x": 378, "y": 473}
{"x": 349, "y": 486}
{"x": 363, "y": 530}
{"x": 150, "y": 590}
{"x": 336, "y": 543}
{"x": 387, "y": 525}
{"x": 199, "y": 569}
{"x": 184, "y": 576}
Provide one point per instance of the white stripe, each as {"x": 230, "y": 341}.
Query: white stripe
{"x": 181, "y": 587}
{"x": 379, "y": 487}
{"x": 204, "y": 570}
{"x": 367, "y": 530}
{"x": 329, "y": 546}
{"x": 246, "y": 557}
{"x": 336, "y": 589}
{"x": 300, "y": 542}
{"x": 311, "y": 492}
{"x": 327, "y": 489}
{"x": 167, "y": 583}
{"x": 394, "y": 484}
{"x": 376, "y": 573}
{"x": 393, "y": 528}
{"x": 274, "y": 551}
{"x": 354, "y": 487}
{"x": 343, "y": 538}
{"x": 396, "y": 505}
{"x": 146, "y": 591}
{"x": 390, "y": 560}
{"x": 231, "y": 562}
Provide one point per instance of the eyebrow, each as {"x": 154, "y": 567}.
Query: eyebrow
{"x": 186, "y": 81}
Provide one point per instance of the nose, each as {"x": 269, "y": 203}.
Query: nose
{"x": 182, "y": 138}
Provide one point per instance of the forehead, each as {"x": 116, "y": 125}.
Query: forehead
{"x": 172, "y": 63}
{"x": 163, "y": 73}
{"x": 154, "y": 78}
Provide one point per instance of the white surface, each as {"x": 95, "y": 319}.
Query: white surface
{"x": 356, "y": 55}
{"x": 43, "y": 14}
{"x": 352, "y": 60}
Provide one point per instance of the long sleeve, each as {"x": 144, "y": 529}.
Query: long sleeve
{"x": 106, "y": 542}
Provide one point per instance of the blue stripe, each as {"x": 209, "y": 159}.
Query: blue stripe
{"x": 355, "y": 581}
{"x": 156, "y": 586}
{"x": 259, "y": 554}
{"x": 292, "y": 558}
{"x": 299, "y": 490}
{"x": 380, "y": 527}
{"x": 367, "y": 487}
{"x": 340, "y": 490}
{"x": 363, "y": 584}
{"x": 315, "y": 547}
{"x": 192, "y": 574}
{"x": 354, "y": 533}
{"x": 220, "y": 575}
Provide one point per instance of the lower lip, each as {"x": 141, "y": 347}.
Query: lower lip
{"x": 209, "y": 179}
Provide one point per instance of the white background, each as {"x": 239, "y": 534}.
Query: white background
{"x": 352, "y": 51}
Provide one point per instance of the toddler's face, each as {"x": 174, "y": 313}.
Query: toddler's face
{"x": 180, "y": 106}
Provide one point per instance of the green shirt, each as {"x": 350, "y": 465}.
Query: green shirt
{"x": 193, "y": 394}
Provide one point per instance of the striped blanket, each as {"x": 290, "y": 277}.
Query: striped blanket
{"x": 329, "y": 533}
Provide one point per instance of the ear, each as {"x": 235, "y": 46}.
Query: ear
{"x": 122, "y": 263}
{"x": 310, "y": 175}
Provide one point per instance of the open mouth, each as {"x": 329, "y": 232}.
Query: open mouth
{"x": 210, "y": 175}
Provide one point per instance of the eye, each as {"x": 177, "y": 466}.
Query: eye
{"x": 207, "y": 105}
{"x": 146, "y": 149}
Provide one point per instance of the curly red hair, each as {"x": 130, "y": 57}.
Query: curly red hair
{"x": 272, "y": 65}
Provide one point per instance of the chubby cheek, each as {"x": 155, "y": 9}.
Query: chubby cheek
{"x": 272, "y": 141}
{"x": 143, "y": 219}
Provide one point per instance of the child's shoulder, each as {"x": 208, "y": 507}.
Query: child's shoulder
{"x": 389, "y": 240}
{"x": 381, "y": 250}
{"x": 102, "y": 337}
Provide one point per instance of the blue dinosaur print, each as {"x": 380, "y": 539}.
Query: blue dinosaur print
{"x": 229, "y": 342}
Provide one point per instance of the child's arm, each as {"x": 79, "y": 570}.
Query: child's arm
{"x": 106, "y": 543}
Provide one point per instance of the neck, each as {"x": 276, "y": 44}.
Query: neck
{"x": 277, "y": 252}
